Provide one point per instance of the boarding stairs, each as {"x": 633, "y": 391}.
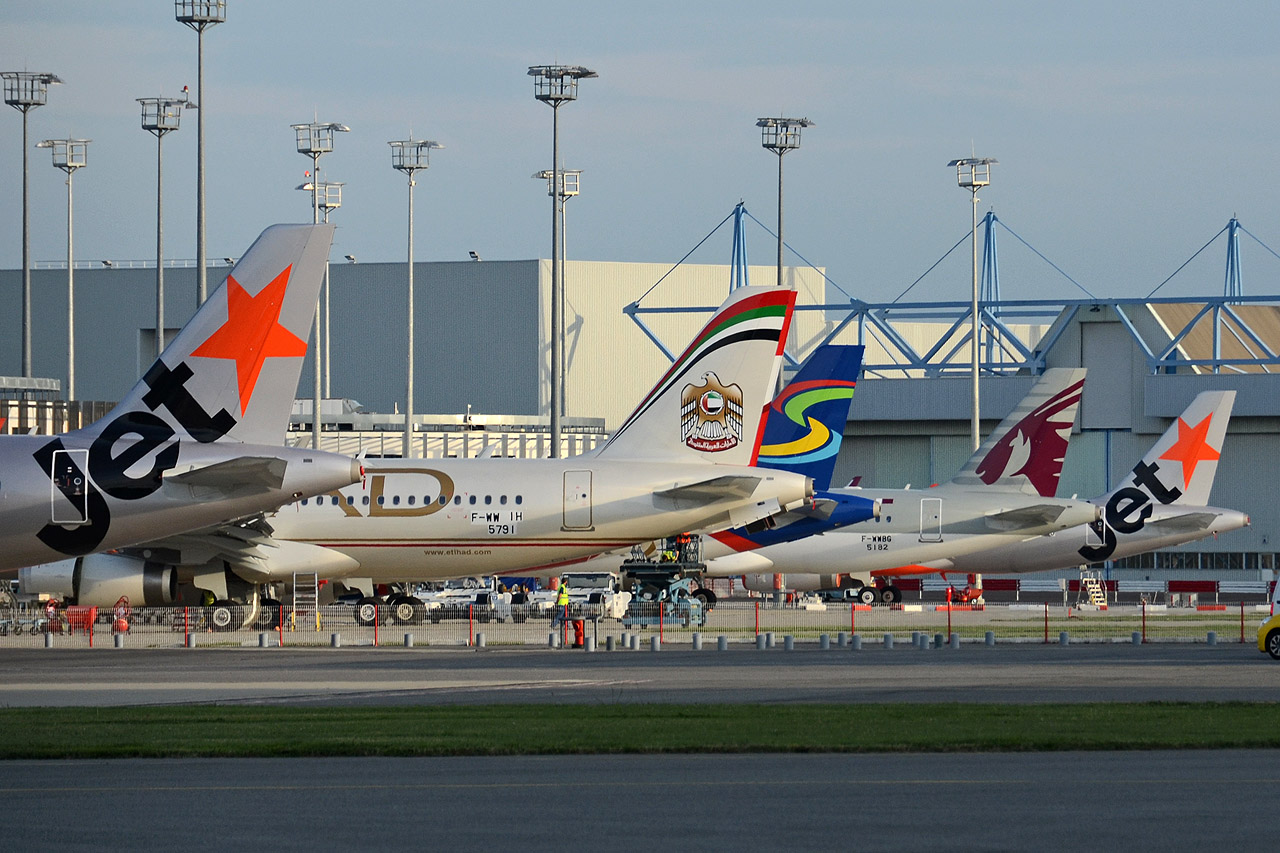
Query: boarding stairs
{"x": 306, "y": 601}
{"x": 1092, "y": 590}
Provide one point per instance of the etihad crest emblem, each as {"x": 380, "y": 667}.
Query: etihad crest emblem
{"x": 711, "y": 415}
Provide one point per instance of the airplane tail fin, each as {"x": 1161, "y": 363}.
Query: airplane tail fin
{"x": 806, "y": 420}
{"x": 232, "y": 372}
{"x": 710, "y": 404}
{"x": 1180, "y": 467}
{"x": 1027, "y": 449}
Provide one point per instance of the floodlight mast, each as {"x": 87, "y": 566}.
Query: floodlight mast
{"x": 570, "y": 186}
{"x": 161, "y": 116}
{"x": 314, "y": 139}
{"x": 24, "y": 91}
{"x": 199, "y": 15}
{"x": 973, "y": 173}
{"x": 410, "y": 156}
{"x": 781, "y": 135}
{"x": 69, "y": 155}
{"x": 555, "y": 85}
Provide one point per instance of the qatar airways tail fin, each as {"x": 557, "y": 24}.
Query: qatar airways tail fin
{"x": 806, "y": 420}
{"x": 232, "y": 372}
{"x": 1027, "y": 449}
{"x": 710, "y": 405}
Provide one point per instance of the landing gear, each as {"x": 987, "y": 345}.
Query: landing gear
{"x": 890, "y": 595}
{"x": 407, "y": 610}
{"x": 370, "y": 610}
{"x": 226, "y": 615}
{"x": 707, "y": 596}
{"x": 269, "y": 616}
{"x": 868, "y": 595}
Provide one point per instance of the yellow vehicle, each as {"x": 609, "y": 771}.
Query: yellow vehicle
{"x": 1269, "y": 636}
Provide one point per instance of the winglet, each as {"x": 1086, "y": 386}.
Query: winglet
{"x": 1026, "y": 451}
{"x": 709, "y": 406}
{"x": 806, "y": 421}
{"x": 232, "y": 372}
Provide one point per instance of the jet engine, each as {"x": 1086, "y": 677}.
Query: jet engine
{"x": 100, "y": 579}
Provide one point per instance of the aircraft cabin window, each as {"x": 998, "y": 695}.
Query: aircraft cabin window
{"x": 444, "y": 499}
{"x": 350, "y": 500}
{"x": 335, "y": 500}
{"x": 412, "y": 498}
{"x": 472, "y": 500}
{"x": 519, "y": 500}
{"x": 502, "y": 500}
{"x": 304, "y": 501}
{"x": 396, "y": 500}
{"x": 488, "y": 499}
{"x": 365, "y": 500}
{"x": 457, "y": 500}
{"x": 381, "y": 499}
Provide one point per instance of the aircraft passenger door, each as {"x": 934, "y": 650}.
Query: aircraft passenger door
{"x": 577, "y": 500}
{"x": 69, "y": 492}
{"x": 931, "y": 519}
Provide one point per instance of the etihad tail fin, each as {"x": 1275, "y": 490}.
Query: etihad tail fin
{"x": 232, "y": 372}
{"x": 1180, "y": 467}
{"x": 1027, "y": 449}
{"x": 710, "y": 404}
{"x": 806, "y": 421}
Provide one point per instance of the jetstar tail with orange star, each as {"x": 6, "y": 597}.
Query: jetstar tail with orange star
{"x": 241, "y": 354}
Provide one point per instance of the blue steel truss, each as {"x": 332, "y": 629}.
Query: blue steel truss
{"x": 1005, "y": 323}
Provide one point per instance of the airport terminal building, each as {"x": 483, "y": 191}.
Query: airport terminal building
{"x": 482, "y": 367}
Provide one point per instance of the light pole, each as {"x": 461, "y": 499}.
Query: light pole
{"x": 314, "y": 139}
{"x": 570, "y": 184}
{"x": 971, "y": 174}
{"x": 554, "y": 85}
{"x": 199, "y": 15}
{"x": 24, "y": 91}
{"x": 329, "y": 195}
{"x": 781, "y": 135}
{"x": 410, "y": 156}
{"x": 161, "y": 116}
{"x": 69, "y": 155}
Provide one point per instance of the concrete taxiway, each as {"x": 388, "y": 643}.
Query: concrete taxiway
{"x": 1023, "y": 673}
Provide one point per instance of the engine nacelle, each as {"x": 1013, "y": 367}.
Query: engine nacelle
{"x": 100, "y": 579}
{"x": 797, "y": 582}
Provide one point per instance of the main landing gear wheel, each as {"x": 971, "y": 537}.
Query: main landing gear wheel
{"x": 269, "y": 615}
{"x": 708, "y": 597}
{"x": 867, "y": 595}
{"x": 370, "y": 610}
{"x": 891, "y": 595}
{"x": 1273, "y": 644}
{"x": 407, "y": 610}
{"x": 225, "y": 616}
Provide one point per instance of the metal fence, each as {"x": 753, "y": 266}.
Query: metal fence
{"x": 737, "y": 622}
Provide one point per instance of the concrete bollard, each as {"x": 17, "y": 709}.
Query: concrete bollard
{"x": 937, "y": 641}
{"x": 989, "y": 638}
{"x": 1064, "y": 638}
{"x": 408, "y": 641}
{"x": 888, "y": 641}
{"x": 789, "y": 643}
{"x": 482, "y": 641}
{"x": 588, "y": 644}
{"x": 768, "y": 639}
{"x": 1212, "y": 639}
{"x": 335, "y": 641}
{"x": 608, "y": 643}
{"x": 824, "y": 641}
{"x": 553, "y": 641}
{"x": 915, "y": 638}
{"x": 722, "y": 643}
{"x": 119, "y": 641}
{"x": 856, "y": 642}
{"x": 626, "y": 640}
{"x": 262, "y": 639}
{"x": 697, "y": 641}
{"x": 842, "y": 640}
{"x": 191, "y": 641}
{"x": 955, "y": 640}
{"x": 655, "y": 644}
{"x": 48, "y": 641}
{"x": 760, "y": 642}
{"x": 635, "y": 642}
{"x": 1136, "y": 638}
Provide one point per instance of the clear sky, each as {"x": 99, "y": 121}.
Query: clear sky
{"x": 1127, "y": 133}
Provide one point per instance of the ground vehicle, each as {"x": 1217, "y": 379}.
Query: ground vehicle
{"x": 597, "y": 588}
{"x": 666, "y": 602}
{"x": 1269, "y": 636}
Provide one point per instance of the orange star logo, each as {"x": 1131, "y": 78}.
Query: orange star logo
{"x": 1191, "y": 448}
{"x": 253, "y": 333}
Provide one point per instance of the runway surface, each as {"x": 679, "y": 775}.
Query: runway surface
{"x": 1025, "y": 673}
{"x": 1058, "y": 801}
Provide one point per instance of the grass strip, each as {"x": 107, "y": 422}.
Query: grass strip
{"x": 285, "y": 731}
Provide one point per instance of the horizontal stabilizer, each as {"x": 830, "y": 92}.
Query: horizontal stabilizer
{"x": 1027, "y": 516}
{"x": 729, "y": 487}
{"x": 262, "y": 471}
{"x": 820, "y": 508}
{"x": 1188, "y": 521}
